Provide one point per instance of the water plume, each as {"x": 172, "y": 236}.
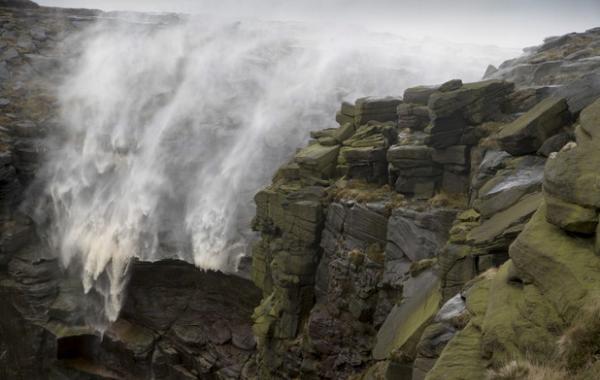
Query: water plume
{"x": 172, "y": 124}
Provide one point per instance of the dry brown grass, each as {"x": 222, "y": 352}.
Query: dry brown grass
{"x": 362, "y": 192}
{"x": 579, "y": 346}
{"x": 527, "y": 371}
{"x": 443, "y": 199}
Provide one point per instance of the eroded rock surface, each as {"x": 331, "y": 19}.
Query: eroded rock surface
{"x": 435, "y": 236}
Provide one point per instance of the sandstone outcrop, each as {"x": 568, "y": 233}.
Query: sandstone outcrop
{"x": 450, "y": 233}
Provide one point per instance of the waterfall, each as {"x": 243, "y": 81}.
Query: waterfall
{"x": 172, "y": 123}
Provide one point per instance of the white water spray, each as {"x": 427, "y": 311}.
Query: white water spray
{"x": 173, "y": 126}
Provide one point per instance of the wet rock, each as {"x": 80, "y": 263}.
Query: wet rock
{"x": 581, "y": 92}
{"x": 135, "y": 340}
{"x": 493, "y": 228}
{"x": 453, "y": 308}
{"x": 509, "y": 185}
{"x": 528, "y": 133}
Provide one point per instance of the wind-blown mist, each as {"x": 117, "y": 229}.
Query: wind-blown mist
{"x": 172, "y": 128}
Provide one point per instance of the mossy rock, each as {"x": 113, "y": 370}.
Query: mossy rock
{"x": 590, "y": 120}
{"x": 571, "y": 217}
{"x": 494, "y": 227}
{"x": 564, "y": 268}
{"x": 406, "y": 319}
{"x": 518, "y": 321}
{"x": 573, "y": 176}
{"x": 461, "y": 359}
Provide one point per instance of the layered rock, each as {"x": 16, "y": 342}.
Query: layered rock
{"x": 437, "y": 236}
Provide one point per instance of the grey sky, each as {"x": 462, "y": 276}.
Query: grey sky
{"x": 515, "y": 23}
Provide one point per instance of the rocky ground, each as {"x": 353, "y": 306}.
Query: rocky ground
{"x": 447, "y": 234}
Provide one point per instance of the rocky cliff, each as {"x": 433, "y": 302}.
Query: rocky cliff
{"x": 446, "y": 234}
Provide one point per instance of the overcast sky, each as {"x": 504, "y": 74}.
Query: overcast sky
{"x": 514, "y": 23}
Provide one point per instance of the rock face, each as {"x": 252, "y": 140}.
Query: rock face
{"x": 528, "y": 133}
{"x": 570, "y": 61}
{"x": 440, "y": 235}
{"x": 178, "y": 322}
{"x": 432, "y": 276}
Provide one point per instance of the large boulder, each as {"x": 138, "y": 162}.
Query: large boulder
{"x": 318, "y": 160}
{"x": 523, "y": 175}
{"x": 471, "y": 104}
{"x": 581, "y": 92}
{"x": 418, "y": 235}
{"x": 590, "y": 119}
{"x": 573, "y": 176}
{"x": 528, "y": 133}
{"x": 376, "y": 109}
{"x": 571, "y": 217}
{"x": 419, "y": 95}
{"x": 409, "y": 316}
{"x": 498, "y": 224}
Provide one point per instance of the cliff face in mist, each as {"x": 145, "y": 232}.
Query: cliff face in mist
{"x": 446, "y": 234}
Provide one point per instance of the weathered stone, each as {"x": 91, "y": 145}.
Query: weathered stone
{"x": 408, "y": 317}
{"x": 590, "y": 120}
{"x": 399, "y": 154}
{"x": 413, "y": 116}
{"x": 528, "y": 133}
{"x": 472, "y": 104}
{"x": 375, "y": 109}
{"x": 556, "y": 263}
{"x": 518, "y": 321}
{"x": 417, "y": 235}
{"x": 420, "y": 187}
{"x": 555, "y": 143}
{"x": 571, "y": 217}
{"x": 461, "y": 358}
{"x": 525, "y": 99}
{"x": 419, "y": 95}
{"x": 136, "y": 340}
{"x": 366, "y": 225}
{"x": 573, "y": 176}
{"x": 500, "y": 222}
{"x": 509, "y": 185}
{"x": 451, "y": 85}
{"x": 457, "y": 155}
{"x": 318, "y": 160}
{"x": 454, "y": 183}
{"x": 581, "y": 92}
